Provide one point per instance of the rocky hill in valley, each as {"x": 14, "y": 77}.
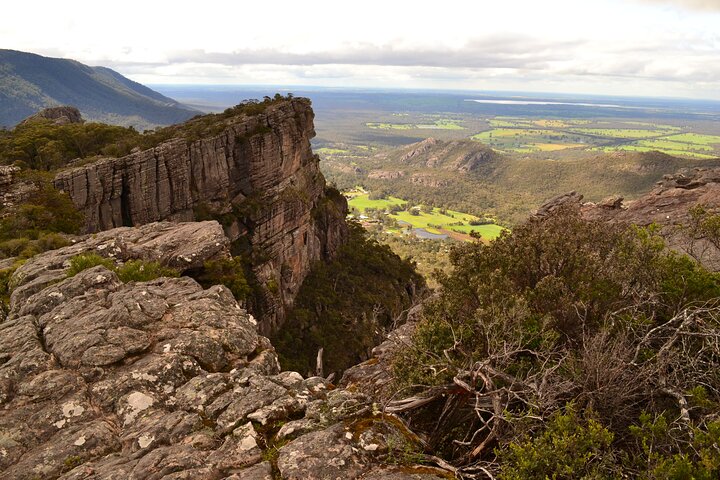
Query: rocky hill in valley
{"x": 468, "y": 176}
{"x": 30, "y": 82}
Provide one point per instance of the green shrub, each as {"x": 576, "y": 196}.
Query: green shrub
{"x": 5, "y": 287}
{"x": 272, "y": 286}
{"x": 131, "y": 271}
{"x": 88, "y": 260}
{"x": 51, "y": 241}
{"x": 13, "y": 247}
{"x": 571, "y": 447}
{"x": 566, "y": 311}
{"x": 43, "y": 145}
{"x": 658, "y": 454}
{"x": 141, "y": 271}
{"x": 226, "y": 271}
{"x": 46, "y": 211}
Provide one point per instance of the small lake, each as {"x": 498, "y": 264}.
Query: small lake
{"x": 422, "y": 233}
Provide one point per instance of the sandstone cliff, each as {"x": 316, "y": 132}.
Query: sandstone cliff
{"x": 165, "y": 380}
{"x": 256, "y": 173}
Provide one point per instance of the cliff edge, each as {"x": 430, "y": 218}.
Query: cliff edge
{"x": 669, "y": 206}
{"x": 252, "y": 169}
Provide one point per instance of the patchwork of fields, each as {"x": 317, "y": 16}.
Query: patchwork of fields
{"x": 527, "y": 135}
{"x": 438, "y": 222}
{"x": 508, "y": 134}
{"x": 439, "y": 124}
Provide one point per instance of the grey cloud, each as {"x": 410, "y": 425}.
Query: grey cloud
{"x": 496, "y": 52}
{"x": 669, "y": 59}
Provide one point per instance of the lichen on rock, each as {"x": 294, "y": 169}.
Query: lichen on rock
{"x": 164, "y": 379}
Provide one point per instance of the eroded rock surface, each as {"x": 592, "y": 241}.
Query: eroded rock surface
{"x": 257, "y": 173}
{"x": 12, "y": 190}
{"x": 668, "y": 205}
{"x": 181, "y": 246}
{"x": 167, "y": 380}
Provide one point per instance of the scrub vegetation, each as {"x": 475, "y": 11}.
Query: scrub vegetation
{"x": 569, "y": 349}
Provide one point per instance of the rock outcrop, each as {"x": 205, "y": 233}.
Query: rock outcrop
{"x": 12, "y": 190}
{"x": 184, "y": 246}
{"x": 418, "y": 149}
{"x": 255, "y": 173}
{"x": 386, "y": 174}
{"x": 58, "y": 115}
{"x": 463, "y": 156}
{"x": 668, "y": 205}
{"x": 166, "y": 380}
{"x": 428, "y": 180}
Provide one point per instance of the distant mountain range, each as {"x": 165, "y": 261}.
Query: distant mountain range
{"x": 30, "y": 82}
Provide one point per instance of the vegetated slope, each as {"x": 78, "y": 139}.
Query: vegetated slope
{"x": 468, "y": 176}
{"x": 345, "y": 306}
{"x": 30, "y": 82}
{"x": 570, "y": 348}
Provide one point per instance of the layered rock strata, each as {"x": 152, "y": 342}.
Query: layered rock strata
{"x": 165, "y": 380}
{"x": 257, "y": 174}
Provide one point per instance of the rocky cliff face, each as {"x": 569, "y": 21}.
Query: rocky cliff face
{"x": 463, "y": 156}
{"x": 668, "y": 205}
{"x": 104, "y": 380}
{"x": 12, "y": 191}
{"x": 257, "y": 174}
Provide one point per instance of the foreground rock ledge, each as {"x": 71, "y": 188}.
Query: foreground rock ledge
{"x": 167, "y": 380}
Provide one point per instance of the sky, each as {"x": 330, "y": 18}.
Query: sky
{"x": 668, "y": 48}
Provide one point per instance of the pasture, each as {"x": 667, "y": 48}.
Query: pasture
{"x": 519, "y": 135}
{"x": 432, "y": 222}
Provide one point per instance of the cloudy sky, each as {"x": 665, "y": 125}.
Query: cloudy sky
{"x": 628, "y": 47}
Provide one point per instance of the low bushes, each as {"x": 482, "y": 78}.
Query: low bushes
{"x": 130, "y": 271}
{"x": 569, "y": 349}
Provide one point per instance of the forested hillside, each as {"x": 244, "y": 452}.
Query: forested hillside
{"x": 30, "y": 82}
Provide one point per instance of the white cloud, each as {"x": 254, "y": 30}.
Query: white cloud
{"x": 659, "y": 47}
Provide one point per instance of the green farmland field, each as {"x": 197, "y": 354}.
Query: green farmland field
{"x": 450, "y": 220}
{"x": 441, "y": 124}
{"x": 362, "y": 202}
